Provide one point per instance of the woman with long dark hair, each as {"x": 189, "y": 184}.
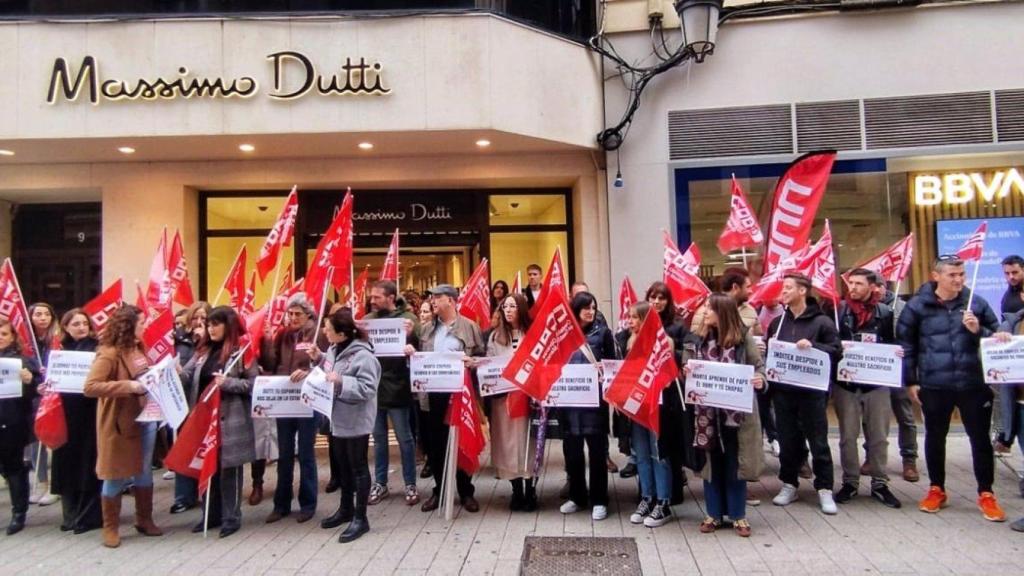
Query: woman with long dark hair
{"x": 74, "y": 463}
{"x": 186, "y": 340}
{"x": 730, "y": 439}
{"x": 499, "y": 291}
{"x": 510, "y": 413}
{"x": 15, "y": 427}
{"x": 124, "y": 446}
{"x": 218, "y": 363}
{"x": 47, "y": 336}
{"x": 354, "y": 371}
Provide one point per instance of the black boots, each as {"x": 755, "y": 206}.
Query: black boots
{"x": 518, "y": 498}
{"x": 360, "y": 525}
{"x": 530, "y": 500}
{"x": 19, "y": 488}
{"x": 344, "y": 513}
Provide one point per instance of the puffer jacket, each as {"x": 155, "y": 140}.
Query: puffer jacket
{"x": 940, "y": 353}
{"x": 813, "y": 325}
{"x": 16, "y": 413}
{"x": 355, "y": 400}
{"x": 394, "y": 390}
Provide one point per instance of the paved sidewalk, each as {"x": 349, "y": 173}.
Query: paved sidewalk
{"x": 864, "y": 538}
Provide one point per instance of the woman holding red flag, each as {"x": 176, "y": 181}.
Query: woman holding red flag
{"x": 16, "y": 426}
{"x": 47, "y": 337}
{"x": 220, "y": 350}
{"x": 509, "y": 414}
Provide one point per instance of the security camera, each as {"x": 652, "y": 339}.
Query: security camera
{"x": 514, "y": 204}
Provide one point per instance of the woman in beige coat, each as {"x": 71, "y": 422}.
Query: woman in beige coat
{"x": 125, "y": 447}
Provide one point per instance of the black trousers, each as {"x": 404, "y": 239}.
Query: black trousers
{"x": 764, "y": 410}
{"x": 439, "y": 445}
{"x": 226, "y": 497}
{"x": 801, "y": 420}
{"x": 258, "y": 468}
{"x": 332, "y": 458}
{"x": 14, "y": 470}
{"x": 975, "y": 405}
{"x": 575, "y": 466}
{"x": 81, "y": 509}
{"x": 353, "y": 470}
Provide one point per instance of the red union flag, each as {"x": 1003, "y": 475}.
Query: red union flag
{"x": 249, "y": 302}
{"x": 769, "y": 287}
{"x": 627, "y": 297}
{"x": 820, "y": 267}
{"x": 253, "y": 334}
{"x": 794, "y": 205}
{"x": 742, "y": 229}
{"x": 475, "y": 299}
{"x": 648, "y": 368}
{"x": 286, "y": 282}
{"x": 12, "y": 308}
{"x": 194, "y": 453}
{"x": 102, "y": 307}
{"x": 280, "y": 235}
{"x": 234, "y": 282}
{"x": 545, "y": 348}
{"x": 893, "y": 263}
{"x": 177, "y": 269}
{"x": 517, "y": 284}
{"x": 463, "y": 412}
{"x": 158, "y": 291}
{"x": 680, "y": 275}
{"x": 390, "y": 269}
{"x": 158, "y": 336}
{"x": 554, "y": 280}
{"x": 975, "y": 245}
{"x": 358, "y": 300}
{"x": 333, "y": 251}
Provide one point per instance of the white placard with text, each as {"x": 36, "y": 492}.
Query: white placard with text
{"x": 870, "y": 363}
{"x": 436, "y": 371}
{"x": 787, "y": 364}
{"x": 1003, "y": 363}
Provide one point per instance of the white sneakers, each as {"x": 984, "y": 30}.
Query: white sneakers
{"x": 786, "y": 496}
{"x": 569, "y": 507}
{"x": 168, "y": 475}
{"x": 42, "y": 495}
{"x": 599, "y": 512}
{"x": 828, "y": 505}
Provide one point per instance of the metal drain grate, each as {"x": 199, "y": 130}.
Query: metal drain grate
{"x": 570, "y": 556}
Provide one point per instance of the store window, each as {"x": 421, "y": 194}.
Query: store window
{"x": 526, "y": 229}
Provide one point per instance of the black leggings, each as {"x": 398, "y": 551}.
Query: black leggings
{"x": 353, "y": 469}
{"x": 975, "y": 405}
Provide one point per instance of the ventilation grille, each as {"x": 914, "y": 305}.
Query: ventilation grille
{"x": 828, "y": 126}
{"x": 741, "y": 131}
{"x": 937, "y": 120}
{"x": 1010, "y": 115}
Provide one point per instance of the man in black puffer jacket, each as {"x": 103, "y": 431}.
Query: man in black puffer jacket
{"x": 940, "y": 336}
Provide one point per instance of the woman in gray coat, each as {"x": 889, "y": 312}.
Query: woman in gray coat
{"x": 219, "y": 349}
{"x": 354, "y": 371}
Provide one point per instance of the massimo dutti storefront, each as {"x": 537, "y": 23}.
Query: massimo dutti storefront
{"x": 462, "y": 131}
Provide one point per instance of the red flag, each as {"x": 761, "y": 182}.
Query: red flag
{"x": 649, "y": 367}
{"x": 158, "y": 291}
{"x": 680, "y": 275}
{"x": 278, "y": 307}
{"x": 140, "y": 300}
{"x": 973, "y": 246}
{"x": 769, "y": 287}
{"x": 741, "y": 229}
{"x": 627, "y": 297}
{"x": 794, "y": 205}
{"x": 249, "y": 302}
{"x": 181, "y": 286}
{"x": 102, "y": 307}
{"x": 463, "y": 412}
{"x": 821, "y": 266}
{"x": 475, "y": 299}
{"x": 12, "y": 308}
{"x": 893, "y": 263}
{"x": 286, "y": 282}
{"x": 517, "y": 284}
{"x": 553, "y": 279}
{"x": 158, "y": 336}
{"x": 545, "y": 348}
{"x": 358, "y": 301}
{"x": 390, "y": 269}
{"x": 280, "y": 235}
{"x": 333, "y": 251}
{"x": 234, "y": 282}
{"x": 195, "y": 449}
{"x": 254, "y": 334}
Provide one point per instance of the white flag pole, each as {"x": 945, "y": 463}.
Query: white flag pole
{"x": 323, "y": 303}
{"x": 974, "y": 281}
{"x": 206, "y": 511}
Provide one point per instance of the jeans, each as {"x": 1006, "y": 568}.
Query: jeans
{"x": 576, "y": 467}
{"x": 143, "y": 478}
{"x": 903, "y": 410}
{"x": 186, "y": 490}
{"x": 287, "y": 429}
{"x": 654, "y": 472}
{"x": 406, "y": 445}
{"x": 975, "y": 405}
{"x": 725, "y": 493}
{"x": 802, "y": 422}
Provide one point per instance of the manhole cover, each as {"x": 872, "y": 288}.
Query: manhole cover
{"x": 552, "y": 556}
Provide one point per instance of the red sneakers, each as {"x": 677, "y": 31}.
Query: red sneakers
{"x": 990, "y": 508}
{"x": 935, "y": 500}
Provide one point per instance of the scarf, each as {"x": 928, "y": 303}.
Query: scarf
{"x": 862, "y": 311}
{"x": 709, "y": 420}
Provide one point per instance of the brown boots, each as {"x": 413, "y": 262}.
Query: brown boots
{"x": 144, "y": 512}
{"x": 111, "y": 521}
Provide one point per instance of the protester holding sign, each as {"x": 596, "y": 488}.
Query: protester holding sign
{"x": 730, "y": 439}
{"x": 588, "y": 425}
{"x": 74, "y": 463}
{"x": 862, "y": 318}
{"x": 124, "y": 446}
{"x": 394, "y": 396}
{"x": 288, "y": 355}
{"x": 800, "y": 412}
{"x": 355, "y": 373}
{"x": 940, "y": 333}
{"x": 509, "y": 413}
{"x": 1013, "y": 396}
{"x": 219, "y": 350}
{"x": 16, "y": 426}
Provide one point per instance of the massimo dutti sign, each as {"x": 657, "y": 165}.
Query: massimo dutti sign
{"x": 295, "y": 76}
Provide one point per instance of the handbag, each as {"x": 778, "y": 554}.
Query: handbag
{"x": 51, "y": 428}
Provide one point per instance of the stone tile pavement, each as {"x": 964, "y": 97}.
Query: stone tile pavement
{"x": 865, "y": 538}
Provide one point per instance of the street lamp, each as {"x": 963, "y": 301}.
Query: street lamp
{"x": 698, "y": 20}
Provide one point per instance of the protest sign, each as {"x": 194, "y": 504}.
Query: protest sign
{"x": 436, "y": 371}
{"x": 151, "y": 411}
{"x": 869, "y": 363}
{"x": 610, "y": 369}
{"x": 317, "y": 392}
{"x": 720, "y": 385}
{"x": 165, "y": 390}
{"x": 278, "y": 397}
{"x": 787, "y": 364}
{"x": 488, "y": 373}
{"x": 577, "y": 387}
{"x": 10, "y": 378}
{"x": 387, "y": 336}
{"x": 1003, "y": 363}
{"x": 66, "y": 371}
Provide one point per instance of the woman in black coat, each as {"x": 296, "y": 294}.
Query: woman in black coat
{"x": 74, "y": 463}
{"x": 16, "y": 427}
